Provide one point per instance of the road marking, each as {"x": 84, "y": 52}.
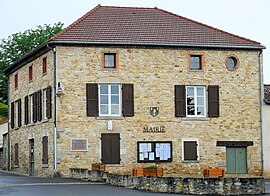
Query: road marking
{"x": 52, "y": 184}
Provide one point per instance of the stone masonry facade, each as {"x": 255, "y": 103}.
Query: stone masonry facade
{"x": 154, "y": 72}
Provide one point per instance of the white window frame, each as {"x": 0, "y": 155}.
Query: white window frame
{"x": 183, "y": 146}
{"x": 44, "y": 104}
{"x": 109, "y": 101}
{"x": 80, "y": 150}
{"x": 195, "y": 101}
{"x": 31, "y": 109}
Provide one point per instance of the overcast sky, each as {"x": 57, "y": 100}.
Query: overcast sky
{"x": 247, "y": 18}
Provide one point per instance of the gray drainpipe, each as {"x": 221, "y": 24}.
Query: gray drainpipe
{"x": 261, "y": 79}
{"x": 54, "y": 102}
{"x": 9, "y": 143}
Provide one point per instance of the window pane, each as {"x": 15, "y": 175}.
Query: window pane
{"x": 104, "y": 99}
{"x": 195, "y": 62}
{"x": 200, "y": 101}
{"x": 191, "y": 110}
{"x": 190, "y": 91}
{"x": 190, "y": 101}
{"x": 109, "y": 60}
{"x": 115, "y": 99}
{"x": 200, "y": 111}
{"x": 115, "y": 109}
{"x": 103, "y": 89}
{"x": 104, "y": 109}
{"x": 200, "y": 91}
{"x": 115, "y": 89}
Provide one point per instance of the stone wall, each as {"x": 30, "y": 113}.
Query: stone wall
{"x": 154, "y": 72}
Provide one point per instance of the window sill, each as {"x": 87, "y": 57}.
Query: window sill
{"x": 109, "y": 69}
{"x": 16, "y": 166}
{"x": 191, "y": 161}
{"x": 110, "y": 118}
{"x": 30, "y": 81}
{"x": 45, "y": 165}
{"x": 30, "y": 124}
{"x": 16, "y": 128}
{"x": 196, "y": 119}
{"x": 45, "y": 120}
{"x": 196, "y": 70}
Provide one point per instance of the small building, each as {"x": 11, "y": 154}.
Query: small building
{"x": 266, "y": 130}
{"x": 3, "y": 144}
{"x": 132, "y": 87}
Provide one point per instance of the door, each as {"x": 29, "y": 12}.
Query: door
{"x": 110, "y": 148}
{"x": 236, "y": 160}
{"x": 32, "y": 158}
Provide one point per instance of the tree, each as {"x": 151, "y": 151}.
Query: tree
{"x": 17, "y": 45}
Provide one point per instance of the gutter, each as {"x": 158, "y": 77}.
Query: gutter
{"x": 21, "y": 61}
{"x": 261, "y": 130}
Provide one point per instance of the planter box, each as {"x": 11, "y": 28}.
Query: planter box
{"x": 137, "y": 172}
{"x": 213, "y": 172}
{"x": 98, "y": 167}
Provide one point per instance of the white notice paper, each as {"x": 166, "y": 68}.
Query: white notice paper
{"x": 143, "y": 147}
{"x": 151, "y": 156}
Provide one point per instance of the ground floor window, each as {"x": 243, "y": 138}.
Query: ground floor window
{"x": 160, "y": 151}
{"x": 110, "y": 148}
{"x": 236, "y": 160}
{"x": 190, "y": 150}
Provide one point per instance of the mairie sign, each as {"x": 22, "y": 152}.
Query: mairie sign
{"x": 153, "y": 129}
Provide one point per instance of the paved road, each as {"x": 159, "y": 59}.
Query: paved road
{"x": 13, "y": 185}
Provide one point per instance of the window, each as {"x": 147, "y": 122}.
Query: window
{"x": 30, "y": 73}
{"x": 195, "y": 100}
{"x": 195, "y": 62}
{"x": 16, "y": 154}
{"x": 79, "y": 145}
{"x": 231, "y": 63}
{"x": 45, "y": 150}
{"x": 109, "y": 60}
{"x": 154, "y": 151}
{"x": 109, "y": 96}
{"x": 190, "y": 150}
{"x": 47, "y": 113}
{"x": 109, "y": 100}
{"x": 16, "y": 81}
{"x": 110, "y": 148}
{"x": 44, "y": 65}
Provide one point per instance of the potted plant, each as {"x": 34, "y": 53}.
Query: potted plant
{"x": 137, "y": 171}
{"x": 98, "y": 167}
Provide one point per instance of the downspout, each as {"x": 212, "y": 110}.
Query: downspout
{"x": 54, "y": 103}
{"x": 9, "y": 143}
{"x": 261, "y": 81}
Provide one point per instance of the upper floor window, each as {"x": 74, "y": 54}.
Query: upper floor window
{"x": 30, "y": 73}
{"x": 16, "y": 81}
{"x": 109, "y": 100}
{"x": 195, "y": 62}
{"x": 231, "y": 63}
{"x": 44, "y": 65}
{"x": 196, "y": 104}
{"x": 109, "y": 60}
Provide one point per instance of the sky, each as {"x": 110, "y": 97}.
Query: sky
{"x": 246, "y": 18}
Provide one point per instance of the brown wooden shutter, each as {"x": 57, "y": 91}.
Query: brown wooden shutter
{"x": 110, "y": 148}
{"x": 12, "y": 115}
{"x": 39, "y": 105}
{"x": 213, "y": 101}
{"x": 34, "y": 105}
{"x": 19, "y": 113}
{"x": 49, "y": 102}
{"x": 128, "y": 100}
{"x": 190, "y": 150}
{"x": 92, "y": 99}
{"x": 180, "y": 100}
{"x": 16, "y": 154}
{"x": 45, "y": 150}
{"x": 26, "y": 116}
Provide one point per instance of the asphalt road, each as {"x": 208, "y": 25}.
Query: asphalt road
{"x": 13, "y": 185}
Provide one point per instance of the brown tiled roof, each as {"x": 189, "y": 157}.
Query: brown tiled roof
{"x": 132, "y": 25}
{"x": 3, "y": 121}
{"x": 267, "y": 93}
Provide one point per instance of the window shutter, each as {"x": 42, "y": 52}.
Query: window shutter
{"x": 213, "y": 101}
{"x": 180, "y": 100}
{"x": 92, "y": 99}
{"x": 16, "y": 154}
{"x": 110, "y": 148}
{"x": 128, "y": 100}
{"x": 190, "y": 150}
{"x": 12, "y": 115}
{"x": 19, "y": 113}
{"x": 49, "y": 102}
{"x": 45, "y": 150}
{"x": 35, "y": 107}
{"x": 26, "y": 117}
{"x": 39, "y": 105}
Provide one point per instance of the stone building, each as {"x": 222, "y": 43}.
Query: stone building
{"x": 3, "y": 148}
{"x": 132, "y": 87}
{"x": 266, "y": 130}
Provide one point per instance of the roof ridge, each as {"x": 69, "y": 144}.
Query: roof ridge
{"x": 127, "y": 7}
{"x": 75, "y": 23}
{"x": 208, "y": 26}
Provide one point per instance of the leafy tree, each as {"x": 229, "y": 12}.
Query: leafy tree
{"x": 17, "y": 45}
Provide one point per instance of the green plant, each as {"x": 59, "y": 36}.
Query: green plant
{"x": 151, "y": 167}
